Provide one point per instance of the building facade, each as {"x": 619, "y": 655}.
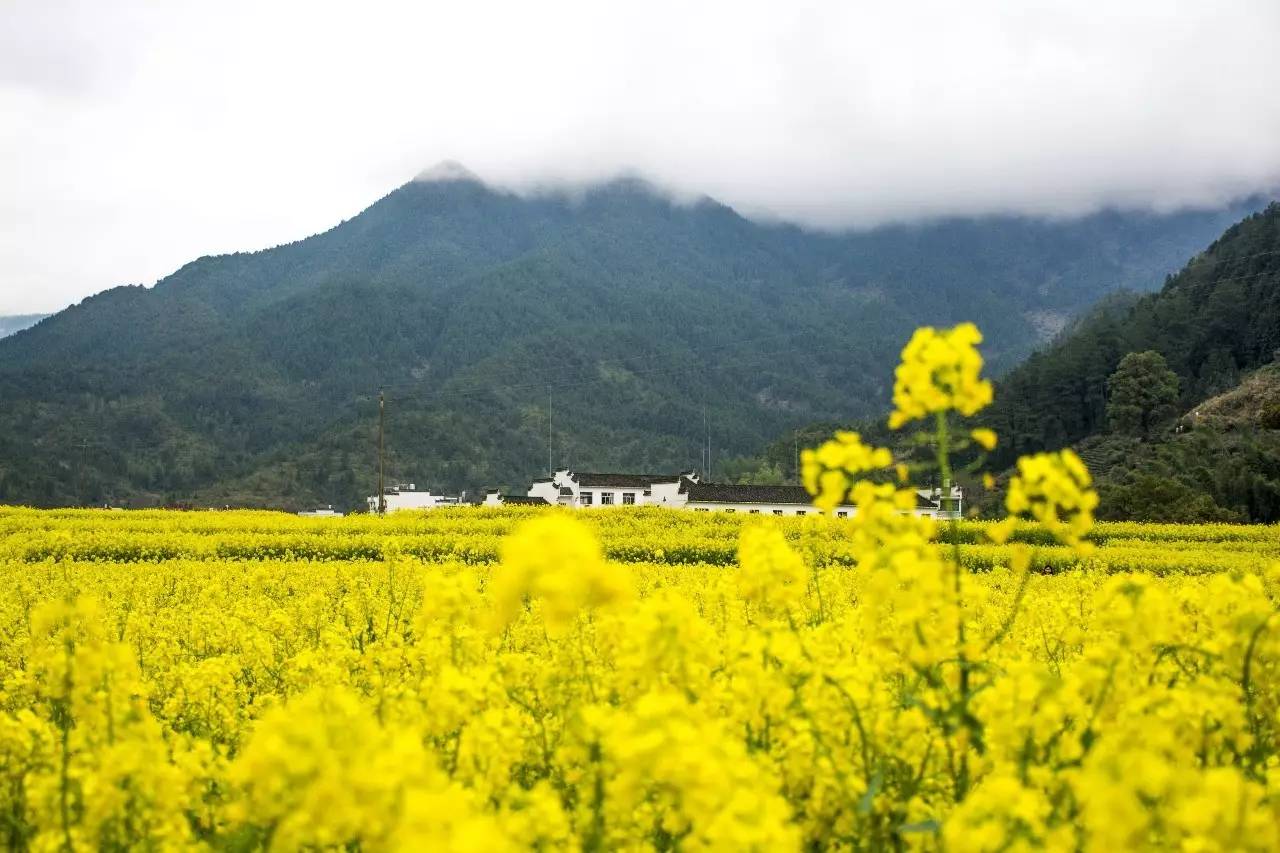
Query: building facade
{"x": 796, "y": 500}
{"x": 322, "y": 512}
{"x": 407, "y": 496}
{"x": 590, "y": 490}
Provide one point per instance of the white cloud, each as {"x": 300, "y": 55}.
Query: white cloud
{"x": 136, "y": 136}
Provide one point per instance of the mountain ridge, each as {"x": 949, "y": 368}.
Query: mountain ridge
{"x": 11, "y": 324}
{"x": 249, "y": 377}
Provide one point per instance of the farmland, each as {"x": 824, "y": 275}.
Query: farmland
{"x": 477, "y": 679}
{"x": 489, "y": 679}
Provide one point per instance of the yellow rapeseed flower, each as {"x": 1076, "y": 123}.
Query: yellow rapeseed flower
{"x": 1056, "y": 490}
{"x": 984, "y": 438}
{"x": 556, "y": 560}
{"x": 770, "y": 573}
{"x": 940, "y": 372}
{"x": 829, "y": 471}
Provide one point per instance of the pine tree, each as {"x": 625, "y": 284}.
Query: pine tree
{"x": 1143, "y": 394}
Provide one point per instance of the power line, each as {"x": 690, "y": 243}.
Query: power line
{"x": 543, "y": 379}
{"x": 1239, "y": 277}
{"x": 622, "y": 361}
{"x": 668, "y": 371}
{"x": 493, "y": 387}
{"x": 1220, "y": 260}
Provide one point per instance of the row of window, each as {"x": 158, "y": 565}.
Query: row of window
{"x": 606, "y": 498}
{"x": 839, "y": 514}
{"x": 628, "y": 498}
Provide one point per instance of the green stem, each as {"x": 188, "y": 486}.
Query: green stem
{"x": 64, "y": 780}
{"x": 944, "y": 470}
{"x": 817, "y": 585}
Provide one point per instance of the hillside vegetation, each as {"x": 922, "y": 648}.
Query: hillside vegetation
{"x": 251, "y": 379}
{"x": 1216, "y": 327}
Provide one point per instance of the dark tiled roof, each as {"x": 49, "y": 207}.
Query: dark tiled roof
{"x": 726, "y": 493}
{"x": 591, "y": 479}
{"x": 523, "y": 499}
{"x": 797, "y": 495}
{"x": 565, "y": 491}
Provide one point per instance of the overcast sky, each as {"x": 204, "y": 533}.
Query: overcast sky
{"x": 137, "y": 136}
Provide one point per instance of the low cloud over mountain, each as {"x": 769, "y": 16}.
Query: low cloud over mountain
{"x": 141, "y": 135}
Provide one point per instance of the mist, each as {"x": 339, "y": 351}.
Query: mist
{"x": 139, "y": 136}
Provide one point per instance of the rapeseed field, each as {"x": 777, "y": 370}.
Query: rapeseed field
{"x": 518, "y": 678}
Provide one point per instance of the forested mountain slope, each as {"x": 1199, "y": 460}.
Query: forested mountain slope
{"x": 252, "y": 378}
{"x": 17, "y": 322}
{"x": 1216, "y": 325}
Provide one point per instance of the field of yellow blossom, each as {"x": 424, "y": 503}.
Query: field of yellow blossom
{"x": 507, "y": 679}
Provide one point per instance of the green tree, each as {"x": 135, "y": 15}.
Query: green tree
{"x": 1143, "y": 393}
{"x": 765, "y": 475}
{"x": 1160, "y": 499}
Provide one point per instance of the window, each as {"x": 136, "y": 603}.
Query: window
{"x": 754, "y": 511}
{"x": 799, "y": 512}
{"x": 699, "y": 509}
{"x": 585, "y": 498}
{"x": 777, "y": 512}
{"x": 628, "y": 497}
{"x": 606, "y": 498}
{"x": 842, "y": 514}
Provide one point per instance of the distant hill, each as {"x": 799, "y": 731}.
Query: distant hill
{"x": 253, "y": 378}
{"x": 1217, "y": 325}
{"x": 17, "y": 322}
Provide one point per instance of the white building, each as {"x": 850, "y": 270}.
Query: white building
{"x": 589, "y": 490}
{"x": 407, "y": 496}
{"x": 585, "y": 489}
{"x": 795, "y": 500}
{"x": 323, "y": 512}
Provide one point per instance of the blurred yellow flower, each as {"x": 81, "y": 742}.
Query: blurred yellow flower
{"x": 940, "y": 372}
{"x": 556, "y": 560}
{"x": 985, "y": 438}
{"x": 828, "y": 471}
{"x": 1056, "y": 490}
{"x": 770, "y": 573}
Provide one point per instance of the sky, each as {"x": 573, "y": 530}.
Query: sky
{"x": 137, "y": 136}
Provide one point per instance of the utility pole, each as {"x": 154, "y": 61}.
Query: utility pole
{"x": 84, "y": 447}
{"x": 382, "y": 461}
{"x": 550, "y": 472}
{"x": 796, "y": 438}
{"x": 709, "y": 477}
{"x": 706, "y": 448}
